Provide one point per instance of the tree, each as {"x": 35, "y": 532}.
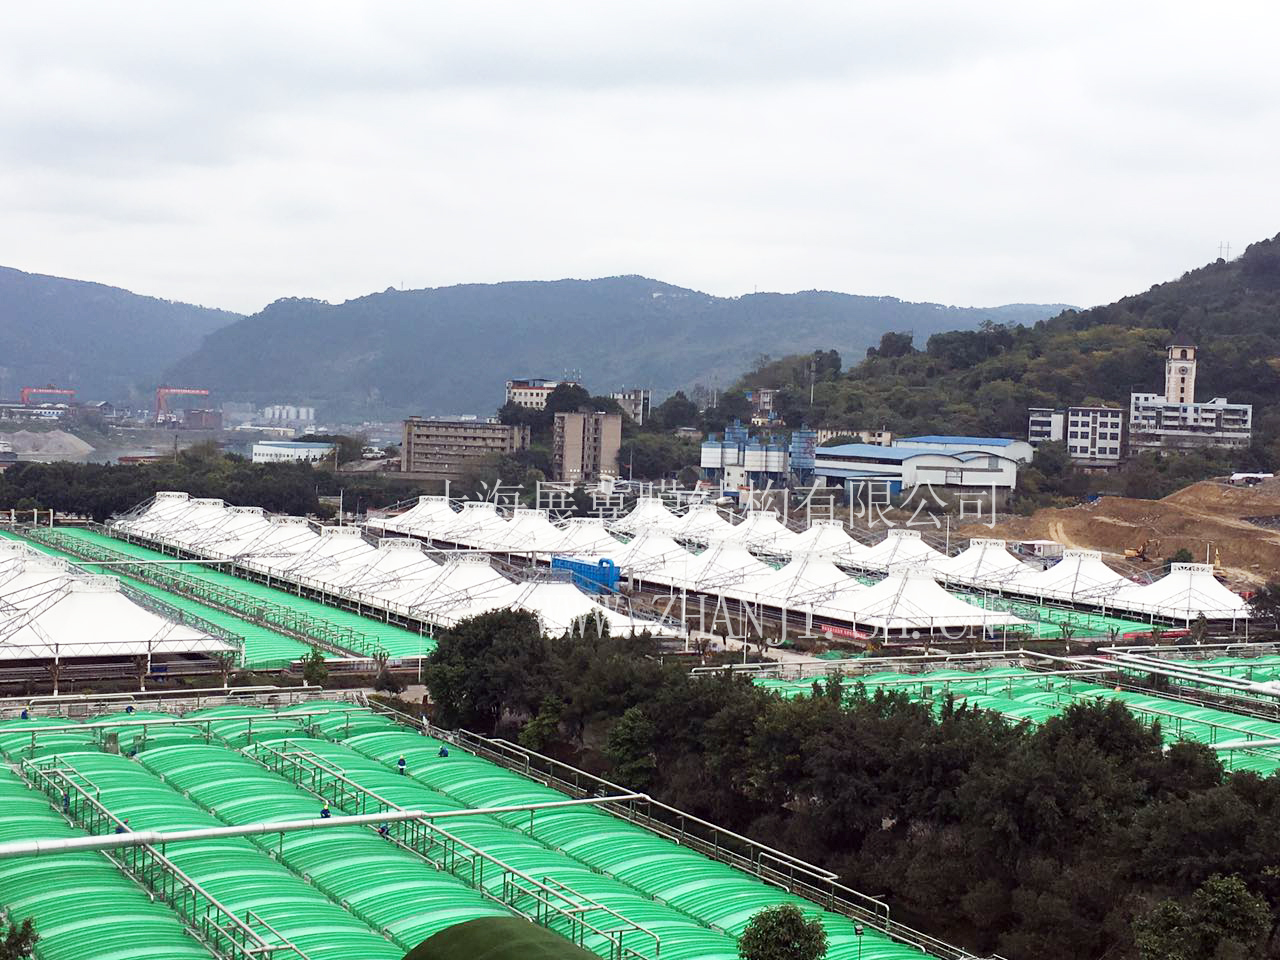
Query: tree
{"x": 1224, "y": 921}
{"x": 350, "y": 448}
{"x": 892, "y": 344}
{"x": 1265, "y": 604}
{"x": 487, "y": 666}
{"x": 630, "y": 748}
{"x": 19, "y": 941}
{"x": 314, "y": 669}
{"x": 1181, "y": 555}
{"x": 675, "y": 411}
{"x": 782, "y": 933}
{"x": 388, "y": 682}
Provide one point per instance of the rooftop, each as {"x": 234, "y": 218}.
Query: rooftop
{"x": 294, "y": 445}
{"x": 976, "y": 441}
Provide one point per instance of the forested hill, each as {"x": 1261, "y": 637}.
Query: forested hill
{"x": 450, "y": 349}
{"x": 982, "y": 381}
{"x": 107, "y": 343}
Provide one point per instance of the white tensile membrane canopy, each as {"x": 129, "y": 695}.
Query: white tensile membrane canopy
{"x": 558, "y": 605}
{"x": 703, "y": 523}
{"x": 801, "y": 585}
{"x": 282, "y": 538}
{"x": 585, "y": 537}
{"x": 531, "y": 531}
{"x": 1079, "y": 575}
{"x": 713, "y": 570}
{"x": 50, "y": 610}
{"x": 828, "y": 538}
{"x": 234, "y": 525}
{"x": 763, "y": 530}
{"x": 428, "y": 514}
{"x": 985, "y": 562}
{"x": 334, "y": 549}
{"x": 438, "y": 588}
{"x": 397, "y": 562}
{"x": 649, "y": 553}
{"x": 909, "y": 599}
{"x": 1186, "y": 592}
{"x": 462, "y": 580}
{"x": 478, "y": 524}
{"x": 900, "y": 546}
{"x": 153, "y": 516}
{"x": 649, "y": 515}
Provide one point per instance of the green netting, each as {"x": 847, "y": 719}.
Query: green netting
{"x": 82, "y": 906}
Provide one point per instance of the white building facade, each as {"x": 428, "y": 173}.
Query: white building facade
{"x": 1094, "y": 436}
{"x": 286, "y": 451}
{"x": 1175, "y": 420}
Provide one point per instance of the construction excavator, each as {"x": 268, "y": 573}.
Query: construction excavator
{"x": 1147, "y": 551}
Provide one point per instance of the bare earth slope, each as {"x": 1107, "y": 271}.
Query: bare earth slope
{"x": 1204, "y": 516}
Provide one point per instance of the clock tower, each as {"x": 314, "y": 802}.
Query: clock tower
{"x": 1180, "y": 374}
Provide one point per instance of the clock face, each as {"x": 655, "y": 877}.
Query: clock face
{"x": 1182, "y": 369}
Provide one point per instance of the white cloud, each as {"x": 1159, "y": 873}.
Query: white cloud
{"x": 978, "y": 153}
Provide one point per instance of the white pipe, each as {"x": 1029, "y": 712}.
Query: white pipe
{"x": 139, "y": 838}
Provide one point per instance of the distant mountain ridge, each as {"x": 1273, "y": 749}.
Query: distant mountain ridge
{"x": 450, "y": 349}
{"x": 105, "y": 342}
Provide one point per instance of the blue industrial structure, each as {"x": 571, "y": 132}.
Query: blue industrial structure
{"x": 599, "y": 577}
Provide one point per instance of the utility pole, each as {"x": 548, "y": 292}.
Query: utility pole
{"x": 1223, "y": 244}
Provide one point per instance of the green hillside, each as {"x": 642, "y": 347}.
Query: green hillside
{"x": 982, "y": 381}
{"x": 106, "y": 343}
{"x": 450, "y": 349}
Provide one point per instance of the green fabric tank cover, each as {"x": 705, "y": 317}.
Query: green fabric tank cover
{"x": 497, "y": 938}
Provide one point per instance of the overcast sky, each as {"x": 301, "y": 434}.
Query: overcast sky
{"x": 969, "y": 153}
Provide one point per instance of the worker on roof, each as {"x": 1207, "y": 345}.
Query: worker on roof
{"x": 129, "y": 708}
{"x": 26, "y": 714}
{"x": 383, "y": 829}
{"x": 66, "y": 803}
{"x": 324, "y": 811}
{"x": 443, "y": 751}
{"x": 122, "y": 826}
{"x": 402, "y": 765}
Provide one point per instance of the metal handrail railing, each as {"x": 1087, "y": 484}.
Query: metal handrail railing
{"x": 213, "y": 923}
{"x": 326, "y": 780}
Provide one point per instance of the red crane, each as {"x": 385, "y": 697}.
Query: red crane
{"x": 164, "y": 393}
{"x": 51, "y": 390}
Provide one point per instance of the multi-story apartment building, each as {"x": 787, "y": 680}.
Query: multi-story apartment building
{"x": 634, "y": 403}
{"x": 533, "y": 393}
{"x": 584, "y": 446}
{"x": 1175, "y": 420}
{"x": 442, "y": 449}
{"x": 1094, "y": 435}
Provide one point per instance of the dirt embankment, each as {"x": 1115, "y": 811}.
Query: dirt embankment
{"x": 1204, "y": 517}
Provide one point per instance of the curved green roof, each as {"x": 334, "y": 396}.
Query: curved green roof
{"x": 82, "y": 906}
